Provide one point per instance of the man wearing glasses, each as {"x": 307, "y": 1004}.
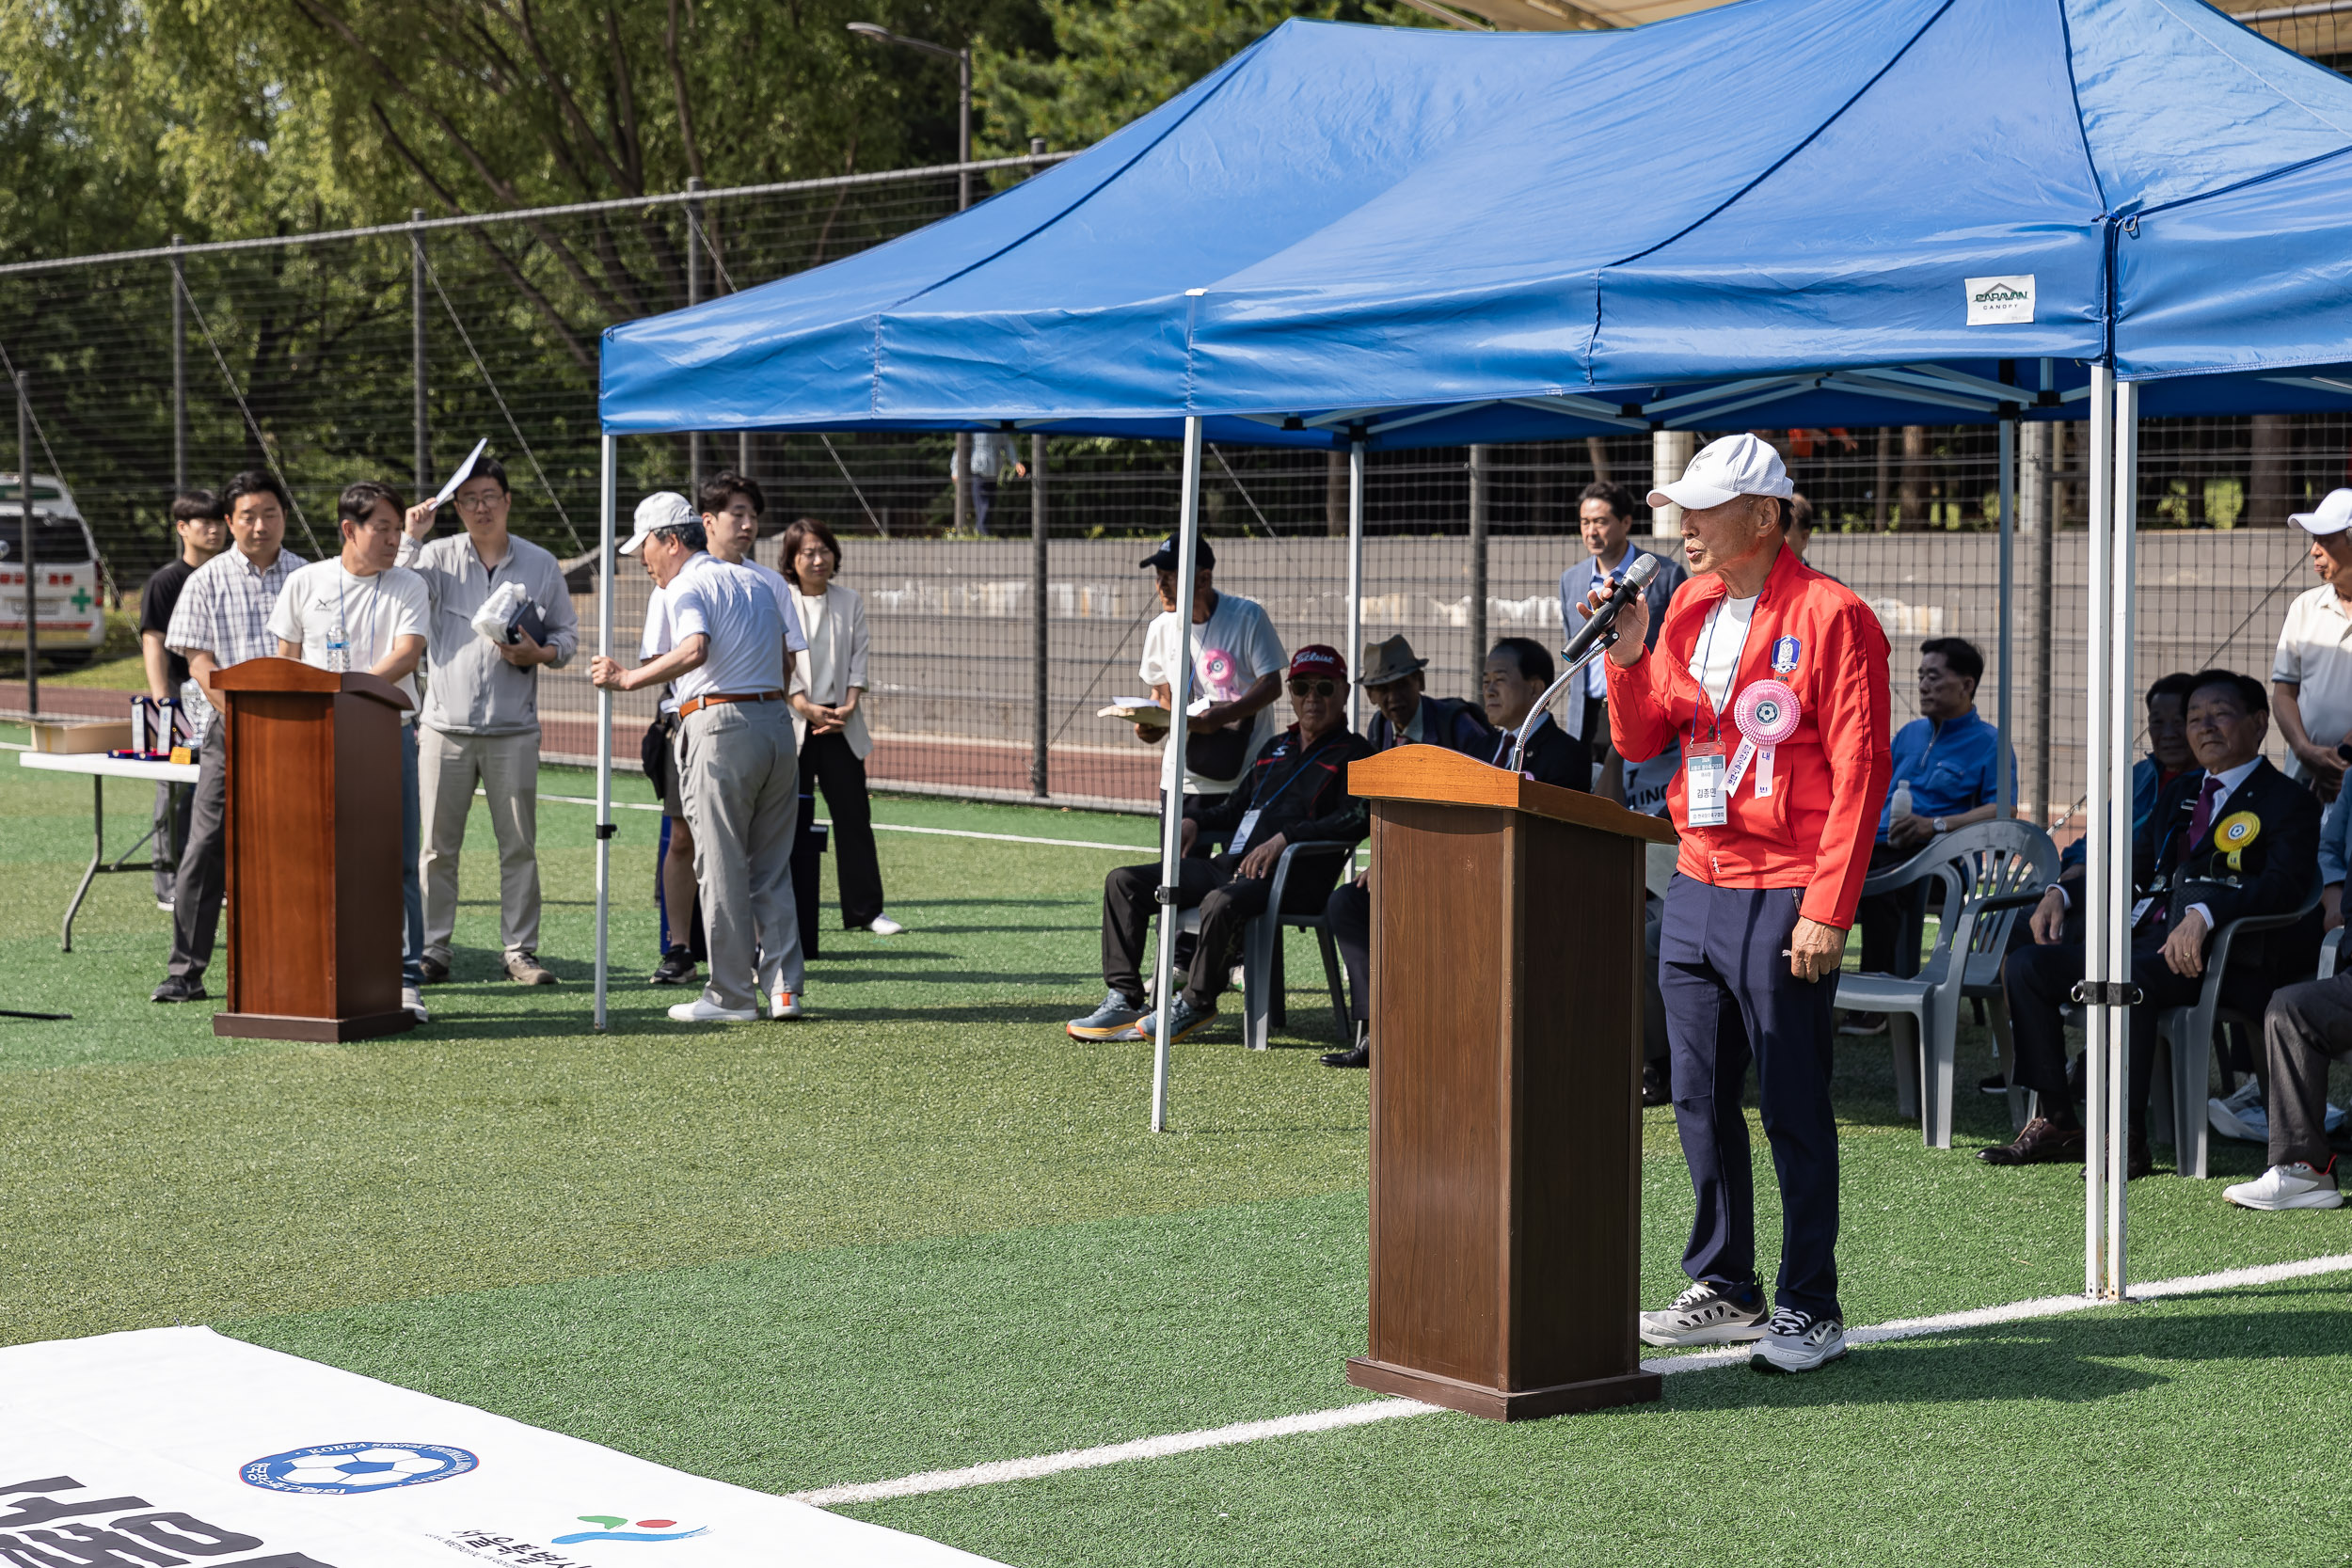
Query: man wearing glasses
{"x": 479, "y": 726}
{"x": 1294, "y": 793}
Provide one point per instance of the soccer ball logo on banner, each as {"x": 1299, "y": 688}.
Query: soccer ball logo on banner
{"x": 339, "y": 1470}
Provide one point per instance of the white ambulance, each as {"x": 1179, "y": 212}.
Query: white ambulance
{"x": 66, "y": 581}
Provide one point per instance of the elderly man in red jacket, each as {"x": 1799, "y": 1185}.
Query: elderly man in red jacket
{"x": 1774, "y": 679}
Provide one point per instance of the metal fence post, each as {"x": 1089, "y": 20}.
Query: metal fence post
{"x": 416, "y": 353}
{"x": 1477, "y": 565}
{"x": 1041, "y": 685}
{"x": 24, "y": 523}
{"x": 179, "y": 370}
{"x": 694, "y": 297}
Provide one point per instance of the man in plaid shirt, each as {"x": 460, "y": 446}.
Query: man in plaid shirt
{"x": 222, "y": 619}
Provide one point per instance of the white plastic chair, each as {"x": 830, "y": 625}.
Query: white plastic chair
{"x": 2184, "y": 1038}
{"x": 1263, "y": 1007}
{"x": 1990, "y": 871}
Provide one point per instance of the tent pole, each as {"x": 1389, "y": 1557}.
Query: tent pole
{"x": 1172, "y": 770}
{"x": 606, "y": 491}
{"x": 1355, "y": 649}
{"x": 2004, "y": 766}
{"x": 2124, "y": 501}
{"x": 2098, "y": 846}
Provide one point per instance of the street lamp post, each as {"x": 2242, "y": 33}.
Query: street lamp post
{"x": 874, "y": 30}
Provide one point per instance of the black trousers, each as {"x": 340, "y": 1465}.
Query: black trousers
{"x": 2040, "y": 979}
{"x": 1885, "y": 918}
{"x": 1226, "y": 903}
{"x": 827, "y": 761}
{"x": 1349, "y": 911}
{"x": 203, "y": 862}
{"x": 2305, "y": 1026}
{"x": 173, "y": 803}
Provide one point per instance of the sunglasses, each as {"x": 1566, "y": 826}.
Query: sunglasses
{"x": 1313, "y": 689}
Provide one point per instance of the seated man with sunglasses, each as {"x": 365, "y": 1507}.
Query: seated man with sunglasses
{"x": 1294, "y": 793}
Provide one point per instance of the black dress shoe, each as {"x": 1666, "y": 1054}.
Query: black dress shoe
{"x": 1996, "y": 1084}
{"x": 1655, "y": 1089}
{"x": 676, "y": 968}
{"x": 430, "y": 970}
{"x": 2138, "y": 1160}
{"x": 176, "y": 989}
{"x": 1360, "y": 1057}
{"x": 2042, "y": 1143}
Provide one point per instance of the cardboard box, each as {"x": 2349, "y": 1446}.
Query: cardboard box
{"x": 79, "y": 735}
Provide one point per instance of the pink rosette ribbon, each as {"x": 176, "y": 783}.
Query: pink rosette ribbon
{"x": 1766, "y": 714}
{"x": 1216, "y": 672}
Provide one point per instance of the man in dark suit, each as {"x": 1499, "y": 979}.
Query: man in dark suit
{"x": 2238, "y": 839}
{"x": 1405, "y": 715}
{"x": 1518, "y": 672}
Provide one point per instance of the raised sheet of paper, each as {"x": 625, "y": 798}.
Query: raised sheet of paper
{"x": 465, "y": 472}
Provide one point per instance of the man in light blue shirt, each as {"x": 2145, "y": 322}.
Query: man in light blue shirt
{"x": 723, "y": 652}
{"x": 1604, "y": 519}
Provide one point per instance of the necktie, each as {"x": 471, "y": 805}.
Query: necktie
{"x": 2202, "y": 820}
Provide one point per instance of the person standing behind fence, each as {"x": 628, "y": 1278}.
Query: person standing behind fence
{"x": 1605, "y": 518}
{"x": 361, "y": 611}
{"x": 829, "y": 679}
{"x": 479, "y": 726}
{"x": 992, "y": 455}
{"x": 203, "y": 533}
{"x": 737, "y": 778}
{"x": 2310, "y": 677}
{"x": 222, "y": 619}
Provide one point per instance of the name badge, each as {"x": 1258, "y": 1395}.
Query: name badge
{"x": 1707, "y": 798}
{"x": 1241, "y": 835}
{"x": 2140, "y": 911}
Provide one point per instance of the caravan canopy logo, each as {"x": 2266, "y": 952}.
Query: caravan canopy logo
{"x": 339, "y": 1470}
{"x": 2001, "y": 301}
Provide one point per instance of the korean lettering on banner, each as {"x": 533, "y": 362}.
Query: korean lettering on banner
{"x": 43, "y": 1528}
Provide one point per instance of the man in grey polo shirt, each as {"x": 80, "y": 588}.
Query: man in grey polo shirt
{"x": 480, "y": 725}
{"x": 222, "y": 619}
{"x": 722, "y": 651}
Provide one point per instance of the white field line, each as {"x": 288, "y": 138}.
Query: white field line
{"x": 1388, "y": 1409}
{"x": 901, "y": 828}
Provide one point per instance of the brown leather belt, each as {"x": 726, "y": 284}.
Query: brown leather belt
{"x": 697, "y": 704}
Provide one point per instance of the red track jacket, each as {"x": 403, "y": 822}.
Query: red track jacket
{"x": 1830, "y": 778}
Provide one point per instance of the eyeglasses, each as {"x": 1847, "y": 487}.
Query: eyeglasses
{"x": 482, "y": 502}
{"x": 1313, "y": 689}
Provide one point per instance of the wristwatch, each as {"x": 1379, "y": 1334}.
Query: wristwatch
{"x": 1939, "y": 825}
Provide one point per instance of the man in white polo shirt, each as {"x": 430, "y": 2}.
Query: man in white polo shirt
{"x": 359, "y": 611}
{"x": 722, "y": 653}
{"x": 2310, "y": 677}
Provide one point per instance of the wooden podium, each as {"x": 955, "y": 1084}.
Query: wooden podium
{"x": 1506, "y": 1006}
{"x": 313, "y": 847}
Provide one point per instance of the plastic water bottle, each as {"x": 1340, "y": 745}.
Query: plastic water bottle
{"x": 1902, "y": 801}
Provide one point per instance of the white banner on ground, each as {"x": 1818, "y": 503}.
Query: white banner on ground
{"x": 177, "y": 1448}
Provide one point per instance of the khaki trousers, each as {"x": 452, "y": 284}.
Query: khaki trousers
{"x": 739, "y": 783}
{"x": 506, "y": 767}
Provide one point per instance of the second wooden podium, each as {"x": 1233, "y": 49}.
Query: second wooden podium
{"x": 313, "y": 845}
{"x": 1507, "y": 1006}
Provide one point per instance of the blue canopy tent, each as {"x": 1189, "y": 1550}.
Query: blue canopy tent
{"x": 1779, "y": 212}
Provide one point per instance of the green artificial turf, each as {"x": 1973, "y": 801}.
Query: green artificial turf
{"x": 925, "y": 1230}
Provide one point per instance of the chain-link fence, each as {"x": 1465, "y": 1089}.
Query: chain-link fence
{"x": 387, "y": 353}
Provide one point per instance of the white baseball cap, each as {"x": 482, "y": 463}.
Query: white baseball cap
{"x": 1735, "y": 466}
{"x": 2333, "y": 515}
{"x": 661, "y": 510}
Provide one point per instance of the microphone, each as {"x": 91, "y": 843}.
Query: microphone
{"x": 1597, "y": 625}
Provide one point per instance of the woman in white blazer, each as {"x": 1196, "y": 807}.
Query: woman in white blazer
{"x": 829, "y": 716}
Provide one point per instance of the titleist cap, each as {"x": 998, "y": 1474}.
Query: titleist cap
{"x": 2333, "y": 514}
{"x": 661, "y": 510}
{"x": 1735, "y": 466}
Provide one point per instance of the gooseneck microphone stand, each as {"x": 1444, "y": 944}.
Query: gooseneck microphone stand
{"x": 1534, "y": 715}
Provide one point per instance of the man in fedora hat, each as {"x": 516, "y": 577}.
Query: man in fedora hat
{"x": 1404, "y": 717}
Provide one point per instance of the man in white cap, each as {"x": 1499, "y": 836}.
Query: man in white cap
{"x": 721, "y": 646}
{"x": 1774, "y": 678}
{"x": 2310, "y": 677}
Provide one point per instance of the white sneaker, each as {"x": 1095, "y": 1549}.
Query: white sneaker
{"x": 703, "y": 1010}
{"x": 1705, "y": 1314}
{"x": 2242, "y": 1115}
{"x": 1799, "y": 1342}
{"x": 2294, "y": 1186}
{"x": 883, "y": 926}
{"x": 413, "y": 999}
{"x": 785, "y": 1003}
